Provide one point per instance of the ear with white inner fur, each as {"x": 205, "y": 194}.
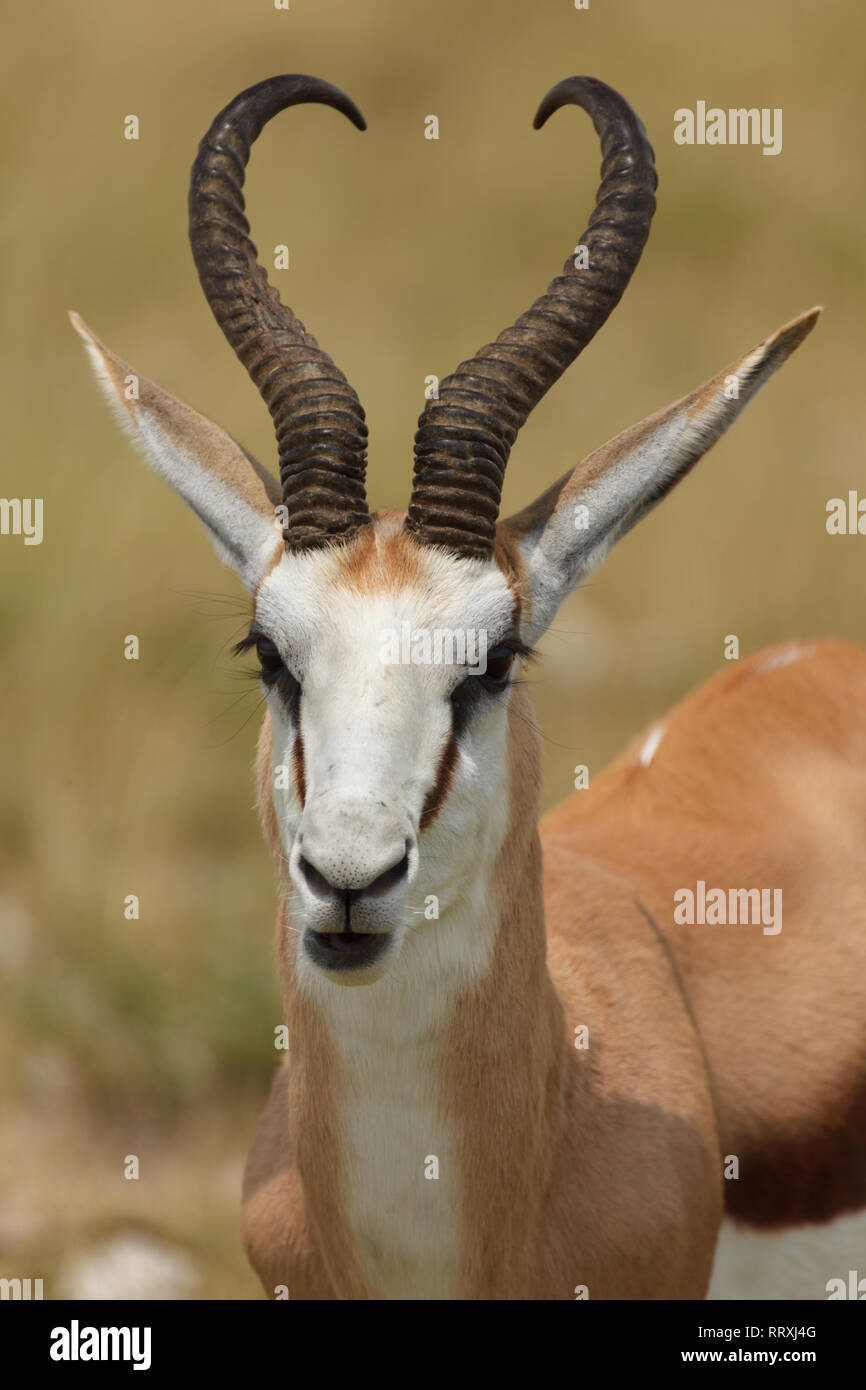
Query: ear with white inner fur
{"x": 567, "y": 531}
{"x": 224, "y": 485}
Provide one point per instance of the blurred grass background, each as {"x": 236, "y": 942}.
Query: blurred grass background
{"x": 154, "y": 1036}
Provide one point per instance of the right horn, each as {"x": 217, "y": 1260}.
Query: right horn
{"x": 464, "y": 438}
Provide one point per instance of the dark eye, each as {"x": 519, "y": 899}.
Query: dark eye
{"x": 499, "y": 663}
{"x": 276, "y": 675}
{"x": 465, "y": 696}
{"x": 270, "y": 660}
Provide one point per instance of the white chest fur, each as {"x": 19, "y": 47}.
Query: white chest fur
{"x": 399, "y": 1177}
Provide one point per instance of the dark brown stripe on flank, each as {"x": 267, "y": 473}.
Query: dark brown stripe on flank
{"x": 815, "y": 1176}
{"x": 439, "y": 790}
{"x": 300, "y": 775}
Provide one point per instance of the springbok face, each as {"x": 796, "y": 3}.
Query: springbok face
{"x": 388, "y": 644}
{"x": 388, "y": 669}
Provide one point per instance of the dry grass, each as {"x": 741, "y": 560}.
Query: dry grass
{"x": 407, "y": 254}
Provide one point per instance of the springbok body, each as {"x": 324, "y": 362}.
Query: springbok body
{"x": 513, "y": 1071}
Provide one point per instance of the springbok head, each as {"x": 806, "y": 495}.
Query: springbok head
{"x": 388, "y": 643}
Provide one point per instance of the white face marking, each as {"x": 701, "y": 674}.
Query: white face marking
{"x": 373, "y": 735}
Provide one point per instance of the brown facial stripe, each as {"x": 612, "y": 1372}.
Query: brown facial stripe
{"x": 810, "y": 1177}
{"x": 439, "y": 790}
{"x": 298, "y": 763}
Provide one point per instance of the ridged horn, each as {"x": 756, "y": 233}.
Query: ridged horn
{"x": 464, "y": 438}
{"x": 321, "y": 433}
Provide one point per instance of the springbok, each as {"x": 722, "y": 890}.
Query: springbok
{"x": 541, "y": 1083}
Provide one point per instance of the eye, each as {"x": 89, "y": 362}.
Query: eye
{"x": 275, "y": 675}
{"x": 494, "y": 678}
{"x": 499, "y": 663}
{"x": 269, "y": 659}
{"x": 273, "y": 672}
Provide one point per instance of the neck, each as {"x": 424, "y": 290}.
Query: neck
{"x": 423, "y": 1108}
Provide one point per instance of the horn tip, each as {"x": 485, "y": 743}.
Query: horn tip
{"x": 570, "y": 89}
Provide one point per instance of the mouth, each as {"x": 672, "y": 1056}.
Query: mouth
{"x": 345, "y": 950}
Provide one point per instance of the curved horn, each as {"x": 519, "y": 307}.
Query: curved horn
{"x": 321, "y": 434}
{"x": 464, "y": 438}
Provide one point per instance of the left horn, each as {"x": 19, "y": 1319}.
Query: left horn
{"x": 321, "y": 432}
{"x": 464, "y": 438}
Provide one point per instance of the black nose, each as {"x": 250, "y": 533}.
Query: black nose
{"x": 375, "y": 888}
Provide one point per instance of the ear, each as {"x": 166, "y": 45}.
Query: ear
{"x": 567, "y": 532}
{"x": 232, "y": 494}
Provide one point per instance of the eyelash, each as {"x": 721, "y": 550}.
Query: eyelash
{"x": 465, "y": 696}
{"x": 276, "y": 675}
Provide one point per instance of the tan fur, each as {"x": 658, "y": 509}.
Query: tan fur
{"x": 759, "y": 781}
{"x": 366, "y": 567}
{"x": 599, "y": 1168}
{"x": 604, "y": 1167}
